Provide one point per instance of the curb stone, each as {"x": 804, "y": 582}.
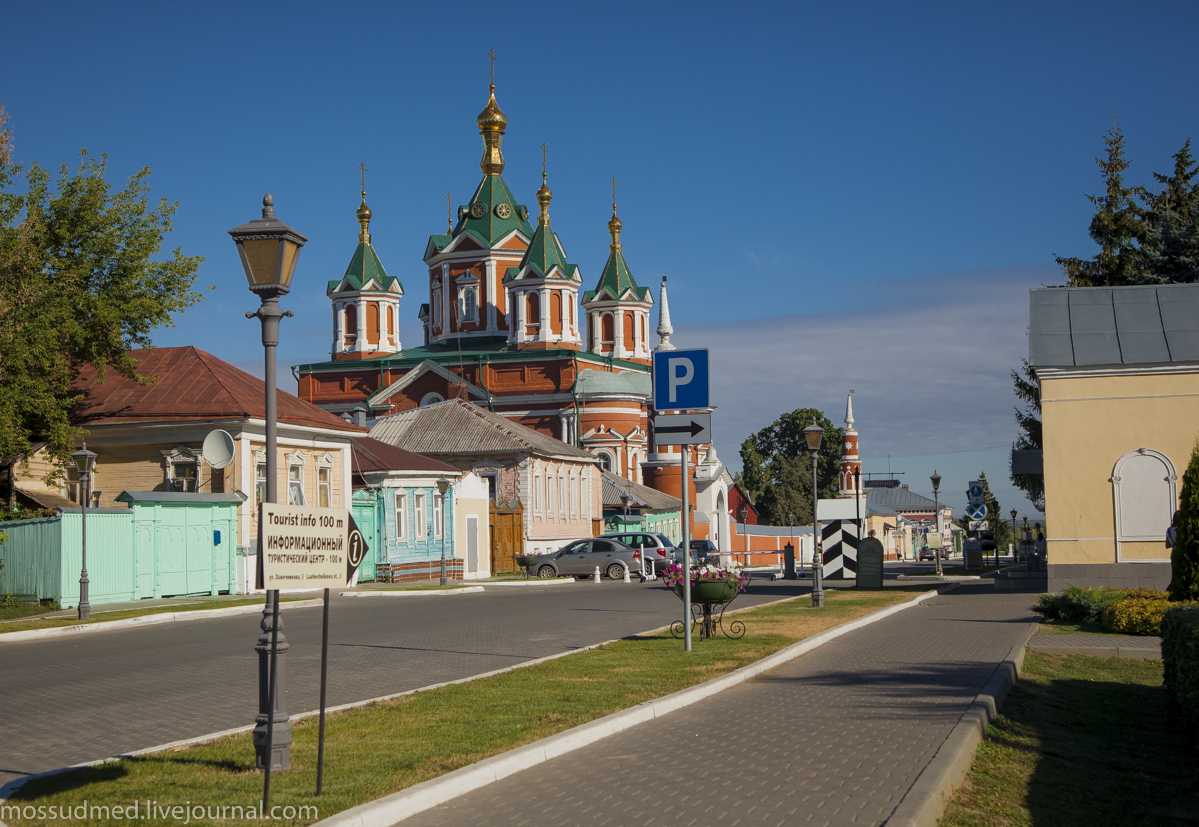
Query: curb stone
{"x": 412, "y": 592}
{"x": 426, "y": 795}
{"x": 147, "y": 620}
{"x": 926, "y": 800}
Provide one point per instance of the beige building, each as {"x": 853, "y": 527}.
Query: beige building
{"x": 148, "y": 437}
{"x": 1119, "y": 377}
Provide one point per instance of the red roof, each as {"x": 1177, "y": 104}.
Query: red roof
{"x": 371, "y": 455}
{"x": 186, "y": 384}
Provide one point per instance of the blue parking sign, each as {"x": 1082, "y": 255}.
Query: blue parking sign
{"x": 680, "y": 379}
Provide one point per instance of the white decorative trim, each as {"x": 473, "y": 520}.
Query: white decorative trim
{"x": 1116, "y": 370}
{"x": 379, "y": 398}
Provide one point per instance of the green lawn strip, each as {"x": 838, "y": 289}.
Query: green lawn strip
{"x": 382, "y": 748}
{"x": 104, "y": 617}
{"x": 1082, "y": 740}
{"x": 14, "y": 611}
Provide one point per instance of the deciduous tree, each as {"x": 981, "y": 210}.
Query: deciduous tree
{"x": 776, "y": 468}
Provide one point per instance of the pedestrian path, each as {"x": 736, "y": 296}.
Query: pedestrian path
{"x": 835, "y": 737}
{"x": 1099, "y": 644}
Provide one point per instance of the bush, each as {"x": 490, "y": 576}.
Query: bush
{"x": 1080, "y": 605}
{"x": 1136, "y": 615}
{"x": 1180, "y": 662}
{"x": 1184, "y": 557}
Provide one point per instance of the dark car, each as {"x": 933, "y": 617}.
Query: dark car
{"x": 582, "y": 557}
{"x": 987, "y": 540}
{"x": 926, "y": 553}
{"x": 702, "y": 551}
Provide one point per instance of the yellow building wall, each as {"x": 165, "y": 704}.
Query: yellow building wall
{"x": 1089, "y": 424}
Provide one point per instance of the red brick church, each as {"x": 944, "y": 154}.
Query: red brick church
{"x": 510, "y": 326}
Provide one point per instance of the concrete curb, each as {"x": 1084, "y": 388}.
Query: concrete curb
{"x": 508, "y": 584}
{"x": 926, "y": 800}
{"x": 416, "y": 799}
{"x": 148, "y": 620}
{"x": 412, "y": 592}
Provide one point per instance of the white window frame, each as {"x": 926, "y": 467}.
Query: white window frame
{"x": 260, "y": 479}
{"x": 420, "y": 530}
{"x": 1171, "y": 478}
{"x": 536, "y": 495}
{"x": 563, "y": 496}
{"x": 181, "y": 456}
{"x": 324, "y": 465}
{"x": 438, "y": 514}
{"x": 551, "y": 495}
{"x": 295, "y": 461}
{"x": 468, "y": 310}
{"x": 585, "y": 507}
{"x": 574, "y": 496}
{"x": 401, "y": 514}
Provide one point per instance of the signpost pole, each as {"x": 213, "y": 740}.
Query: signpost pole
{"x": 320, "y": 742}
{"x": 683, "y": 451}
{"x": 271, "y": 691}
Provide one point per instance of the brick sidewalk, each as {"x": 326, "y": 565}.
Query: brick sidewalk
{"x": 1099, "y": 645}
{"x": 835, "y": 737}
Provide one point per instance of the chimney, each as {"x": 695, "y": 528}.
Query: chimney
{"x": 359, "y": 412}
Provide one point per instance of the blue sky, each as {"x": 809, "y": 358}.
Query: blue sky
{"x": 843, "y": 197}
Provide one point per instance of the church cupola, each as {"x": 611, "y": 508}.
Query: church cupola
{"x": 543, "y": 290}
{"x": 618, "y": 308}
{"x": 851, "y": 461}
{"x": 366, "y": 300}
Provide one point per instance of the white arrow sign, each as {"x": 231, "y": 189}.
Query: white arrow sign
{"x": 683, "y": 429}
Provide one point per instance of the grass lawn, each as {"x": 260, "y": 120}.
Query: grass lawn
{"x": 15, "y": 611}
{"x": 385, "y": 747}
{"x": 1085, "y": 741}
{"x": 151, "y": 609}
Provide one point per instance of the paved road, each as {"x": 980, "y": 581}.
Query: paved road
{"x": 74, "y": 699}
{"x": 835, "y": 737}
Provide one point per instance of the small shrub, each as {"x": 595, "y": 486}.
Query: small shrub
{"x": 1180, "y": 662}
{"x": 1079, "y": 605}
{"x": 1136, "y": 615}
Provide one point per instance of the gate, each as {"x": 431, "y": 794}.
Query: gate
{"x": 507, "y": 538}
{"x": 365, "y": 508}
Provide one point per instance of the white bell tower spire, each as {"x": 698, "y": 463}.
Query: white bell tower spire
{"x": 665, "y": 331}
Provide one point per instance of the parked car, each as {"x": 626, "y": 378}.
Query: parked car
{"x": 581, "y": 557}
{"x": 658, "y": 547}
{"x": 987, "y": 540}
{"x": 926, "y": 553}
{"x": 702, "y": 551}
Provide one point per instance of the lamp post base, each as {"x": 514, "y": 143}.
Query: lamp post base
{"x": 280, "y": 756}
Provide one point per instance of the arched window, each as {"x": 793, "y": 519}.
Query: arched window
{"x": 605, "y": 460}
{"x": 391, "y": 325}
{"x": 468, "y": 303}
{"x": 1143, "y": 486}
{"x": 556, "y": 312}
{"x": 628, "y": 330}
{"x": 532, "y": 313}
{"x": 351, "y": 324}
{"x": 607, "y": 330}
{"x": 372, "y": 323}
{"x": 644, "y": 328}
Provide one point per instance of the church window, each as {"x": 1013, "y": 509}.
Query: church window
{"x": 556, "y": 312}
{"x": 605, "y": 461}
{"x": 644, "y": 328}
{"x": 628, "y": 330}
{"x": 372, "y": 322}
{"x": 468, "y": 303}
{"x": 532, "y": 313}
{"x": 391, "y": 325}
{"x": 351, "y": 324}
{"x": 607, "y": 330}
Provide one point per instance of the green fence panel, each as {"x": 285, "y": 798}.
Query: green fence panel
{"x": 365, "y": 508}
{"x": 110, "y": 565}
{"x": 30, "y": 557}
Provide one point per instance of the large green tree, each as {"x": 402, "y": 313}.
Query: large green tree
{"x": 80, "y": 282}
{"x": 1170, "y": 236}
{"x": 776, "y": 468}
{"x": 1184, "y": 556}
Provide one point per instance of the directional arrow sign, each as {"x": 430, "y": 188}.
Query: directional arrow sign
{"x": 683, "y": 429}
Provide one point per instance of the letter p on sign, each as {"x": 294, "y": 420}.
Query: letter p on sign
{"x": 681, "y": 379}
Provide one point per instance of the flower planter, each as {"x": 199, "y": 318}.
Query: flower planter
{"x": 709, "y": 598}
{"x": 710, "y": 591}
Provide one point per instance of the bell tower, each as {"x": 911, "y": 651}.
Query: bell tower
{"x": 618, "y": 308}
{"x": 851, "y": 462}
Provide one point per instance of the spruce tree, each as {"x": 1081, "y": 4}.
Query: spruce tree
{"x": 1028, "y": 418}
{"x": 1171, "y": 223}
{"x": 1184, "y": 557}
{"x": 1116, "y": 227}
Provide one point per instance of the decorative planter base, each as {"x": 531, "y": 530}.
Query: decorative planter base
{"x": 708, "y": 602}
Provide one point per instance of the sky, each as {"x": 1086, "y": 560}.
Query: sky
{"x": 844, "y": 195}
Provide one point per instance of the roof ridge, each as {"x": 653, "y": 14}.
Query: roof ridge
{"x": 204, "y": 356}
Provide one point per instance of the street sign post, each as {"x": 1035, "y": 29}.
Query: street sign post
{"x": 977, "y": 511}
{"x": 302, "y": 547}
{"x": 681, "y": 383}
{"x": 683, "y": 429}
{"x": 974, "y": 492}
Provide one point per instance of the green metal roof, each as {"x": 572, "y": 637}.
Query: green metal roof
{"x": 490, "y": 349}
{"x": 617, "y": 280}
{"x": 630, "y": 383}
{"x": 364, "y": 266}
{"x": 491, "y": 214}
{"x": 544, "y": 254}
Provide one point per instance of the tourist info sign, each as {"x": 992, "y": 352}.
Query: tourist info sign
{"x": 307, "y": 548}
{"x": 680, "y": 380}
{"x": 683, "y": 429}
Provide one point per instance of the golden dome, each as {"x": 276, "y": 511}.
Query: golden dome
{"x": 492, "y": 118}
{"x": 364, "y": 221}
{"x": 492, "y": 123}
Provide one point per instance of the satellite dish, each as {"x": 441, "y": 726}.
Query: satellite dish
{"x": 218, "y": 448}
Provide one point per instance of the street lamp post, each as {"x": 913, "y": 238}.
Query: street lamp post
{"x": 935, "y": 479}
{"x": 269, "y": 250}
{"x": 443, "y": 485}
{"x": 1014, "y": 555}
{"x": 813, "y": 435}
{"x": 85, "y": 461}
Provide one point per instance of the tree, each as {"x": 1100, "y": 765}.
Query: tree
{"x": 1028, "y": 419}
{"x": 1171, "y": 225}
{"x": 1184, "y": 557}
{"x": 776, "y": 468}
{"x": 996, "y": 519}
{"x": 78, "y": 283}
{"x": 1117, "y": 227}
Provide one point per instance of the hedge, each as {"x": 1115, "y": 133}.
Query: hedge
{"x": 1180, "y": 662}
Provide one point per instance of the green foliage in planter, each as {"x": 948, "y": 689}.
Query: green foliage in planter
{"x": 1184, "y": 557}
{"x": 1180, "y": 662}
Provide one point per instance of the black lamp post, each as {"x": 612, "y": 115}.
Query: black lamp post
{"x": 1014, "y": 554}
{"x": 85, "y": 461}
{"x": 935, "y": 479}
{"x": 269, "y": 250}
{"x": 813, "y": 435}
{"x": 443, "y": 485}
